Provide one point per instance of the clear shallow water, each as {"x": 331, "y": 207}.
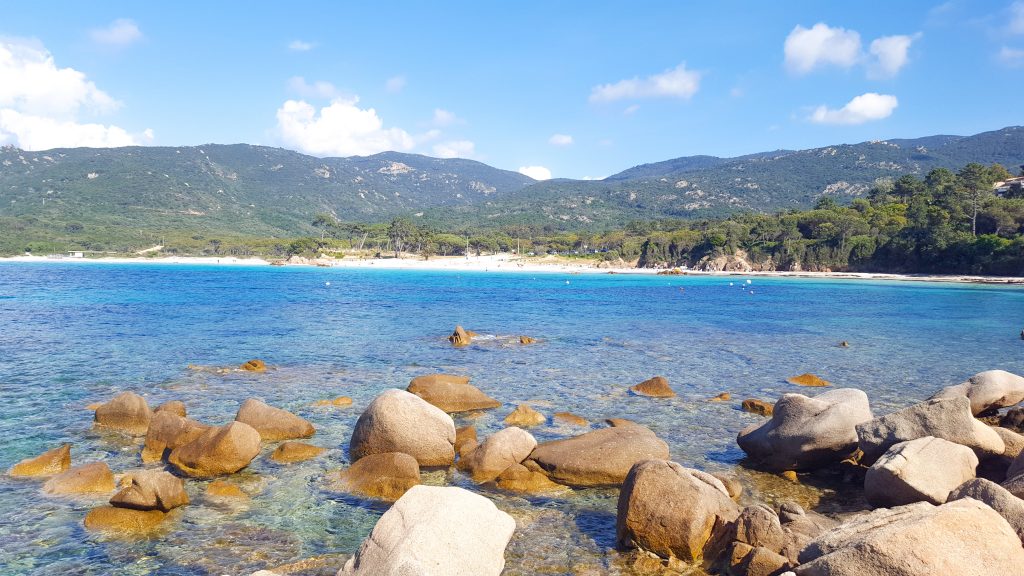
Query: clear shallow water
{"x": 72, "y": 334}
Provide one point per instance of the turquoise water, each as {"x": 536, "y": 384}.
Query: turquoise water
{"x": 76, "y": 333}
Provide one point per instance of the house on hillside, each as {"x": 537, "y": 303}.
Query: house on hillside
{"x": 1003, "y": 188}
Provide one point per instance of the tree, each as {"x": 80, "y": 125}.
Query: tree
{"x": 400, "y": 231}
{"x": 324, "y": 222}
{"x": 975, "y": 179}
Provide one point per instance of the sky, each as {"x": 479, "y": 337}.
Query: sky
{"x": 579, "y": 89}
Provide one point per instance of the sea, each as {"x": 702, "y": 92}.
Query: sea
{"x": 72, "y": 334}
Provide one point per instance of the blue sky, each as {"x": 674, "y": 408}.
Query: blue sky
{"x": 570, "y": 89}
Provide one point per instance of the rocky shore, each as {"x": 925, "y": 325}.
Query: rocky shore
{"x": 941, "y": 481}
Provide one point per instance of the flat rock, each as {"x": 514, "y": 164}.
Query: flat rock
{"x": 290, "y": 452}
{"x": 499, "y": 451}
{"x": 92, "y": 478}
{"x": 805, "y": 433}
{"x": 669, "y": 510}
{"x": 436, "y": 531}
{"x": 1010, "y": 507}
{"x": 127, "y": 412}
{"x": 451, "y": 393}
{"x": 167, "y": 431}
{"x": 399, "y": 421}
{"x": 222, "y": 489}
{"x": 272, "y": 423}
{"x": 599, "y": 458}
{"x": 525, "y": 416}
{"x": 946, "y": 418}
{"x": 48, "y": 463}
{"x": 989, "y": 390}
{"x": 385, "y": 476}
{"x": 922, "y": 470}
{"x": 917, "y": 540}
{"x": 339, "y": 402}
{"x": 152, "y": 490}
{"x": 217, "y": 451}
{"x": 656, "y": 387}
{"x": 570, "y": 418}
{"x": 808, "y": 379}
{"x": 123, "y": 521}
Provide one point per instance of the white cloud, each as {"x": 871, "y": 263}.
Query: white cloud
{"x": 560, "y": 140}
{"x": 338, "y": 129}
{"x": 318, "y": 89}
{"x": 1017, "y": 17}
{"x": 444, "y": 118}
{"x": 535, "y": 172}
{"x": 1011, "y": 56}
{"x": 120, "y": 32}
{"x": 821, "y": 45}
{"x": 890, "y": 54}
{"x": 300, "y": 46}
{"x": 863, "y": 108}
{"x": 40, "y": 103}
{"x": 593, "y": 178}
{"x": 395, "y": 84}
{"x": 455, "y": 149}
{"x": 676, "y": 82}
{"x": 630, "y": 110}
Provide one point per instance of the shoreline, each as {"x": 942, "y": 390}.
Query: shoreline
{"x": 510, "y": 263}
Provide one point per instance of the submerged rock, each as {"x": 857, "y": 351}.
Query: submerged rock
{"x": 670, "y": 510}
{"x": 805, "y": 433}
{"x": 992, "y": 389}
{"x": 398, "y": 421}
{"x": 917, "y": 540}
{"x": 499, "y": 451}
{"x": 48, "y": 463}
{"x": 254, "y": 365}
{"x": 947, "y": 418}
{"x": 433, "y": 531}
{"x": 386, "y": 476}
{"x": 926, "y": 469}
{"x": 570, "y": 418}
{"x": 460, "y": 337}
{"x": 808, "y": 379}
{"x": 524, "y": 340}
{"x": 465, "y": 441}
{"x": 152, "y": 490}
{"x": 217, "y": 451}
{"x": 451, "y": 393}
{"x": 525, "y": 416}
{"x": 723, "y": 397}
{"x": 598, "y": 458}
{"x": 123, "y": 521}
{"x": 222, "y": 489}
{"x": 339, "y": 402}
{"x": 755, "y": 406}
{"x": 520, "y": 479}
{"x": 656, "y": 387}
{"x": 167, "y": 431}
{"x": 272, "y": 423}
{"x": 290, "y": 452}
{"x": 92, "y": 478}
{"x": 127, "y": 412}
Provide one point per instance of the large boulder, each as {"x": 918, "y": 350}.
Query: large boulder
{"x": 946, "y": 418}
{"x": 272, "y": 423}
{"x": 670, "y": 510}
{"x": 961, "y": 538}
{"x": 598, "y": 458}
{"x": 656, "y": 387}
{"x": 123, "y": 521}
{"x": 217, "y": 451}
{"x": 805, "y": 433}
{"x": 451, "y": 393}
{"x": 988, "y": 390}
{"x": 48, "y": 463}
{"x": 435, "y": 531}
{"x": 499, "y": 451}
{"x": 92, "y": 478}
{"x": 399, "y": 421}
{"x": 152, "y": 490}
{"x": 385, "y": 476}
{"x": 926, "y": 469}
{"x": 759, "y": 526}
{"x": 126, "y": 412}
{"x": 1010, "y": 507}
{"x": 167, "y": 431}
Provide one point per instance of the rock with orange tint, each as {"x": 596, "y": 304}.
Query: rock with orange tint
{"x": 755, "y": 406}
{"x": 254, "y": 365}
{"x": 123, "y": 521}
{"x": 451, "y": 393}
{"x": 465, "y": 440}
{"x": 46, "y": 464}
{"x": 172, "y": 406}
{"x": 460, "y": 337}
{"x": 289, "y": 452}
{"x": 526, "y": 340}
{"x": 217, "y": 451}
{"x": 808, "y": 379}
{"x": 656, "y": 387}
{"x": 339, "y": 402}
{"x": 167, "y": 431}
{"x": 152, "y": 490}
{"x": 523, "y": 415}
{"x": 126, "y": 412}
{"x": 222, "y": 489}
{"x": 385, "y": 476}
{"x": 570, "y": 418}
{"x": 723, "y": 397}
{"x": 272, "y": 423}
{"x": 92, "y": 478}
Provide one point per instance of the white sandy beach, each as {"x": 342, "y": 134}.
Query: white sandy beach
{"x": 505, "y": 262}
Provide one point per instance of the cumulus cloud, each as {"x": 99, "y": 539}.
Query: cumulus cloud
{"x": 535, "y": 172}
{"x": 560, "y": 140}
{"x": 455, "y": 149}
{"x": 1011, "y": 56}
{"x": 120, "y": 32}
{"x": 300, "y": 46}
{"x": 863, "y": 108}
{"x": 339, "y": 129}
{"x": 676, "y": 82}
{"x": 444, "y": 118}
{"x": 821, "y": 45}
{"x": 317, "y": 89}
{"x": 890, "y": 55}
{"x": 40, "y": 103}
{"x": 395, "y": 84}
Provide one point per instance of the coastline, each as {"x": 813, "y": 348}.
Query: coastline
{"x": 506, "y": 262}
